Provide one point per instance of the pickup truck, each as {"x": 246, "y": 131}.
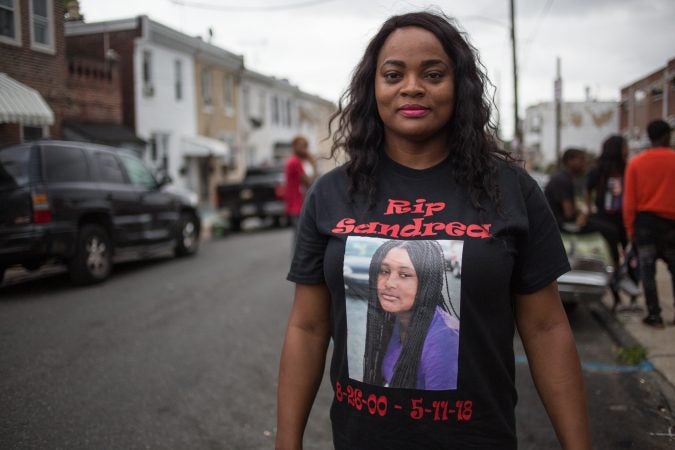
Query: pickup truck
{"x": 260, "y": 194}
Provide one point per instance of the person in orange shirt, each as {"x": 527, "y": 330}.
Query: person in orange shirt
{"x": 649, "y": 212}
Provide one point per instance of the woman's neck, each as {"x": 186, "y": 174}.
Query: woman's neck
{"x": 404, "y": 323}
{"x": 417, "y": 155}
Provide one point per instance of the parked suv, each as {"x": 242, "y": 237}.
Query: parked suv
{"x": 88, "y": 206}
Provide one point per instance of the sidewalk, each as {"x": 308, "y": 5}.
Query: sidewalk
{"x": 660, "y": 344}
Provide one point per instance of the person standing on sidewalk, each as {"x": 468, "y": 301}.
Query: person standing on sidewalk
{"x": 297, "y": 180}
{"x": 424, "y": 165}
{"x": 604, "y": 202}
{"x": 649, "y": 212}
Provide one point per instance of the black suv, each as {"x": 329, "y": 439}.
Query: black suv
{"x": 87, "y": 205}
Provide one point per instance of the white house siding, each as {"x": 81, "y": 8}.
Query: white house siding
{"x": 298, "y": 114}
{"x": 583, "y": 124}
{"x": 162, "y": 114}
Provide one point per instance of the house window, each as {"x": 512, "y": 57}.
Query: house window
{"x": 42, "y": 25}
{"x": 33, "y": 133}
{"x": 10, "y": 32}
{"x": 262, "y": 104}
{"x": 275, "y": 110}
{"x": 207, "y": 92}
{"x": 159, "y": 151}
{"x": 289, "y": 120}
{"x": 228, "y": 94}
{"x": 246, "y": 99}
{"x": 178, "y": 69}
{"x": 148, "y": 88}
{"x": 640, "y": 95}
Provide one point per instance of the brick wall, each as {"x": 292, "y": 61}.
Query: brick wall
{"x": 93, "y": 46}
{"x": 95, "y": 93}
{"x": 9, "y": 134}
{"x": 44, "y": 72}
{"x": 642, "y": 102}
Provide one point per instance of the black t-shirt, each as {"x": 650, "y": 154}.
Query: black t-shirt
{"x": 608, "y": 190}
{"x": 559, "y": 188}
{"x": 459, "y": 391}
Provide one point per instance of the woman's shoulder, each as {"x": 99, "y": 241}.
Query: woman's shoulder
{"x": 443, "y": 320}
{"x": 337, "y": 173}
{"x": 512, "y": 171}
{"x": 335, "y": 178}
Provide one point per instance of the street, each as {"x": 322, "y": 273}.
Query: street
{"x": 183, "y": 354}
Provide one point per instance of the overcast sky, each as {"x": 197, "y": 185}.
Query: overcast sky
{"x": 603, "y": 44}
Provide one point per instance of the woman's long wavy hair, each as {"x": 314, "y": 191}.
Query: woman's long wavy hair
{"x": 611, "y": 161}
{"x": 429, "y": 263}
{"x": 359, "y": 130}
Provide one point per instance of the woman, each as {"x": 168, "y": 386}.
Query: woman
{"x": 604, "y": 182}
{"x": 411, "y": 339}
{"x": 423, "y": 162}
{"x": 604, "y": 197}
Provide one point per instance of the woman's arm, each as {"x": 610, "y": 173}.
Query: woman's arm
{"x": 302, "y": 362}
{"x": 554, "y": 364}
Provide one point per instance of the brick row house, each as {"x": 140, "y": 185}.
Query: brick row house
{"x": 33, "y": 93}
{"x": 180, "y": 102}
{"x": 47, "y": 90}
{"x": 649, "y": 98}
{"x": 192, "y": 102}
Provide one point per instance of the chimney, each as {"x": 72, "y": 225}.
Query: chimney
{"x": 73, "y": 14}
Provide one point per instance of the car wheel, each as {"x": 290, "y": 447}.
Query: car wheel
{"x": 187, "y": 240}
{"x": 92, "y": 262}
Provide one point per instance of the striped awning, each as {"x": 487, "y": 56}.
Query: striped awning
{"x": 22, "y": 104}
{"x": 202, "y": 146}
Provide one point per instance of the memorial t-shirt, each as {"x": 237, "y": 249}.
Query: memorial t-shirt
{"x": 488, "y": 256}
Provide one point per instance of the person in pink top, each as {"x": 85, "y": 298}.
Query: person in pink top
{"x": 297, "y": 179}
{"x": 649, "y": 212}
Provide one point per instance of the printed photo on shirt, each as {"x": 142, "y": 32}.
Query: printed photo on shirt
{"x": 403, "y": 304}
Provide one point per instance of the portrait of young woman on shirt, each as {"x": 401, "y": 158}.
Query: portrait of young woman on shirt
{"x": 411, "y": 338}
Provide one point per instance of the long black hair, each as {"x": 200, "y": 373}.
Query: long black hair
{"x": 472, "y": 144}
{"x": 612, "y": 160}
{"x": 429, "y": 263}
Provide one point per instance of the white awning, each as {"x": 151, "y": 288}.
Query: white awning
{"x": 22, "y": 104}
{"x": 202, "y": 146}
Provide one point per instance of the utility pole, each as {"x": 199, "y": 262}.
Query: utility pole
{"x": 517, "y": 132}
{"x": 557, "y": 85}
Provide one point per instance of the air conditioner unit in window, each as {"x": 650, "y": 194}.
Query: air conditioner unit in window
{"x": 148, "y": 90}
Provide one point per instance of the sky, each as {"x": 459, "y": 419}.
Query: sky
{"x": 603, "y": 45}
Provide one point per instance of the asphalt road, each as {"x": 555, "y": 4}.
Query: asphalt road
{"x": 183, "y": 354}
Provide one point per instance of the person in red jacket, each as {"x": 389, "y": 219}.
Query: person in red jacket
{"x": 649, "y": 212}
{"x": 297, "y": 178}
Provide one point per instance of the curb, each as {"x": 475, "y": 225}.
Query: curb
{"x": 615, "y": 329}
{"x": 624, "y": 339}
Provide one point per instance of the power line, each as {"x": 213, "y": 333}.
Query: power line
{"x": 542, "y": 15}
{"x": 212, "y": 7}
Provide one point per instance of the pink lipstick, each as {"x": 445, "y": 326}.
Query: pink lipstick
{"x": 413, "y": 111}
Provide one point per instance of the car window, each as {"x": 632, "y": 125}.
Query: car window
{"x": 109, "y": 169}
{"x": 361, "y": 247}
{"x": 138, "y": 173}
{"x": 65, "y": 164}
{"x": 14, "y": 167}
